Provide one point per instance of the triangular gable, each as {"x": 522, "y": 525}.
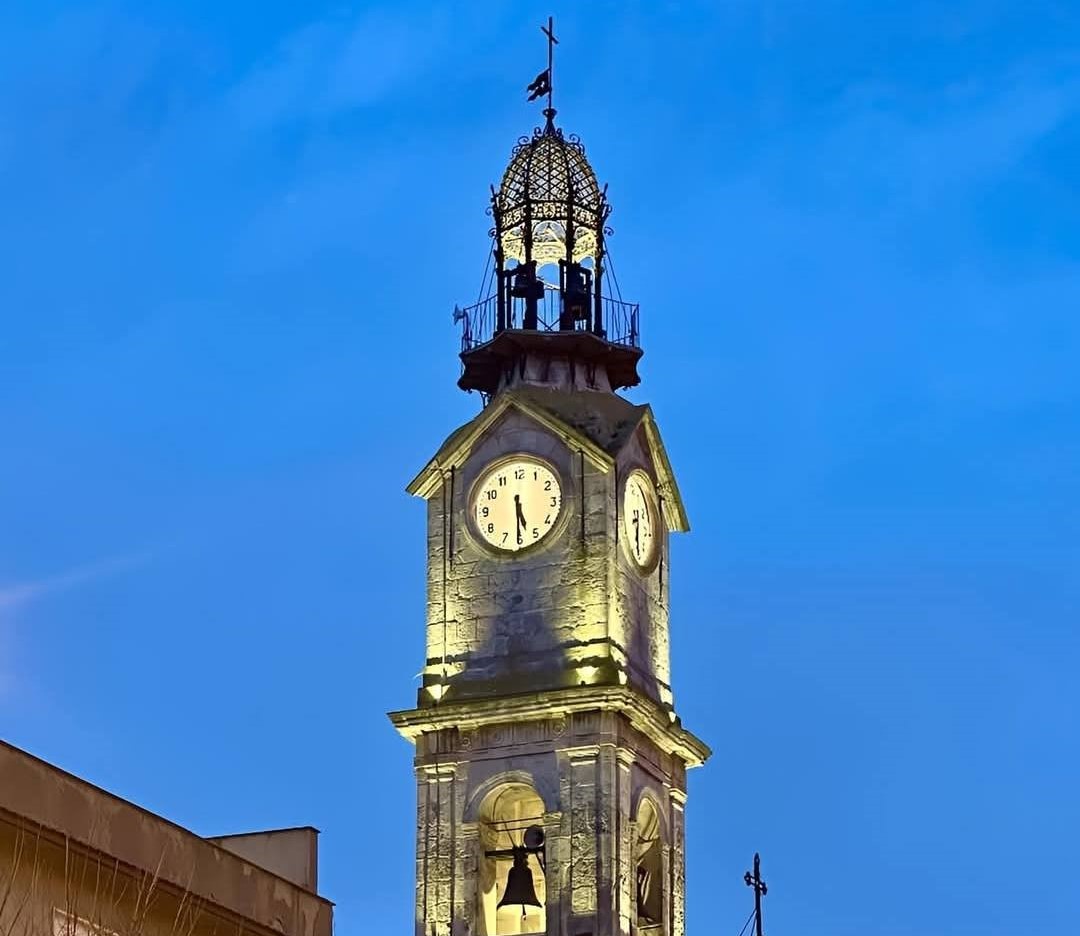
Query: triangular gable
{"x": 674, "y": 508}
{"x": 606, "y": 419}
{"x": 598, "y": 425}
{"x": 460, "y": 442}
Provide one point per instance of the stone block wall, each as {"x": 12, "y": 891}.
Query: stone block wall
{"x": 499, "y": 624}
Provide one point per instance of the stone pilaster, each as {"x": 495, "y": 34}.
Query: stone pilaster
{"x": 607, "y": 805}
{"x": 464, "y": 839}
{"x": 557, "y": 855}
{"x": 678, "y": 863}
{"x": 583, "y": 834}
{"x": 624, "y": 835}
{"x": 438, "y": 847}
{"x": 422, "y": 837}
{"x": 465, "y": 894}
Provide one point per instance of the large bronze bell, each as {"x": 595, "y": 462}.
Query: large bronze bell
{"x": 576, "y": 294}
{"x": 526, "y": 284}
{"x": 519, "y": 883}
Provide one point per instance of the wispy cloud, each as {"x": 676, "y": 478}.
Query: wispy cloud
{"x": 16, "y": 595}
{"x": 333, "y": 66}
{"x": 963, "y": 137}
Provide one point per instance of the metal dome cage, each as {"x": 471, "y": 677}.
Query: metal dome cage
{"x": 549, "y": 206}
{"x": 549, "y": 211}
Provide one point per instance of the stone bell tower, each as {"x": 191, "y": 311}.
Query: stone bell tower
{"x": 550, "y": 761}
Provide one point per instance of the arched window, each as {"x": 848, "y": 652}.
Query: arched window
{"x": 512, "y": 862}
{"x": 650, "y": 867}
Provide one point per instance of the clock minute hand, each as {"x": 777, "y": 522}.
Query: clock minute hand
{"x": 637, "y": 535}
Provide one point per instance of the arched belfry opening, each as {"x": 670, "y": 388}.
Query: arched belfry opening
{"x": 511, "y": 886}
{"x": 649, "y": 868}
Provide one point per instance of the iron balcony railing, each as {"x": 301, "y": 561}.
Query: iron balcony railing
{"x": 478, "y": 322}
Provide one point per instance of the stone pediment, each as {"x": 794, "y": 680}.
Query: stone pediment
{"x": 598, "y": 424}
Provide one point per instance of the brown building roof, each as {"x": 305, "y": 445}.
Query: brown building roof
{"x": 41, "y": 802}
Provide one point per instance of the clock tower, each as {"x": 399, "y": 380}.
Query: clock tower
{"x": 550, "y": 758}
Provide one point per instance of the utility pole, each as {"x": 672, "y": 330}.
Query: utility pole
{"x": 760, "y": 890}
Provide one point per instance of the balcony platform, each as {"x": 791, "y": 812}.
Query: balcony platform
{"x": 483, "y": 366}
{"x": 488, "y": 352}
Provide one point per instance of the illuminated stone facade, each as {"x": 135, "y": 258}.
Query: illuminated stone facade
{"x": 550, "y": 670}
{"x": 575, "y": 608}
{"x": 550, "y": 761}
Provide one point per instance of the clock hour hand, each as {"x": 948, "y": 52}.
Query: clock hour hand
{"x": 520, "y": 516}
{"x": 637, "y": 536}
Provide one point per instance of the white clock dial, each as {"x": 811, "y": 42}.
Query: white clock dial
{"x": 517, "y": 503}
{"x": 639, "y": 518}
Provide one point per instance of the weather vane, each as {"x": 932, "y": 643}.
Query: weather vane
{"x": 541, "y": 84}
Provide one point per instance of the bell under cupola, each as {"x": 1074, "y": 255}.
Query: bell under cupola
{"x": 548, "y": 318}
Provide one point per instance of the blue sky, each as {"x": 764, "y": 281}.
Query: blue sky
{"x": 232, "y": 236}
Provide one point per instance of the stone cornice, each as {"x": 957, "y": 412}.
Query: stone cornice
{"x": 643, "y": 714}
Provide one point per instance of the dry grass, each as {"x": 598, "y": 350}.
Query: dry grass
{"x": 52, "y": 890}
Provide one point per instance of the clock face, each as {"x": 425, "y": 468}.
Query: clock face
{"x": 517, "y": 503}
{"x": 639, "y": 518}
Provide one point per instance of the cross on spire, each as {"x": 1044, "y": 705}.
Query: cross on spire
{"x": 542, "y": 83}
{"x": 760, "y": 890}
{"x": 549, "y": 31}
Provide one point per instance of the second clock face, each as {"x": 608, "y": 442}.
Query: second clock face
{"x": 516, "y": 504}
{"x": 639, "y": 518}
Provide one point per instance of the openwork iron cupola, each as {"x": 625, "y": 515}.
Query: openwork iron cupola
{"x": 548, "y": 316}
{"x": 549, "y": 206}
